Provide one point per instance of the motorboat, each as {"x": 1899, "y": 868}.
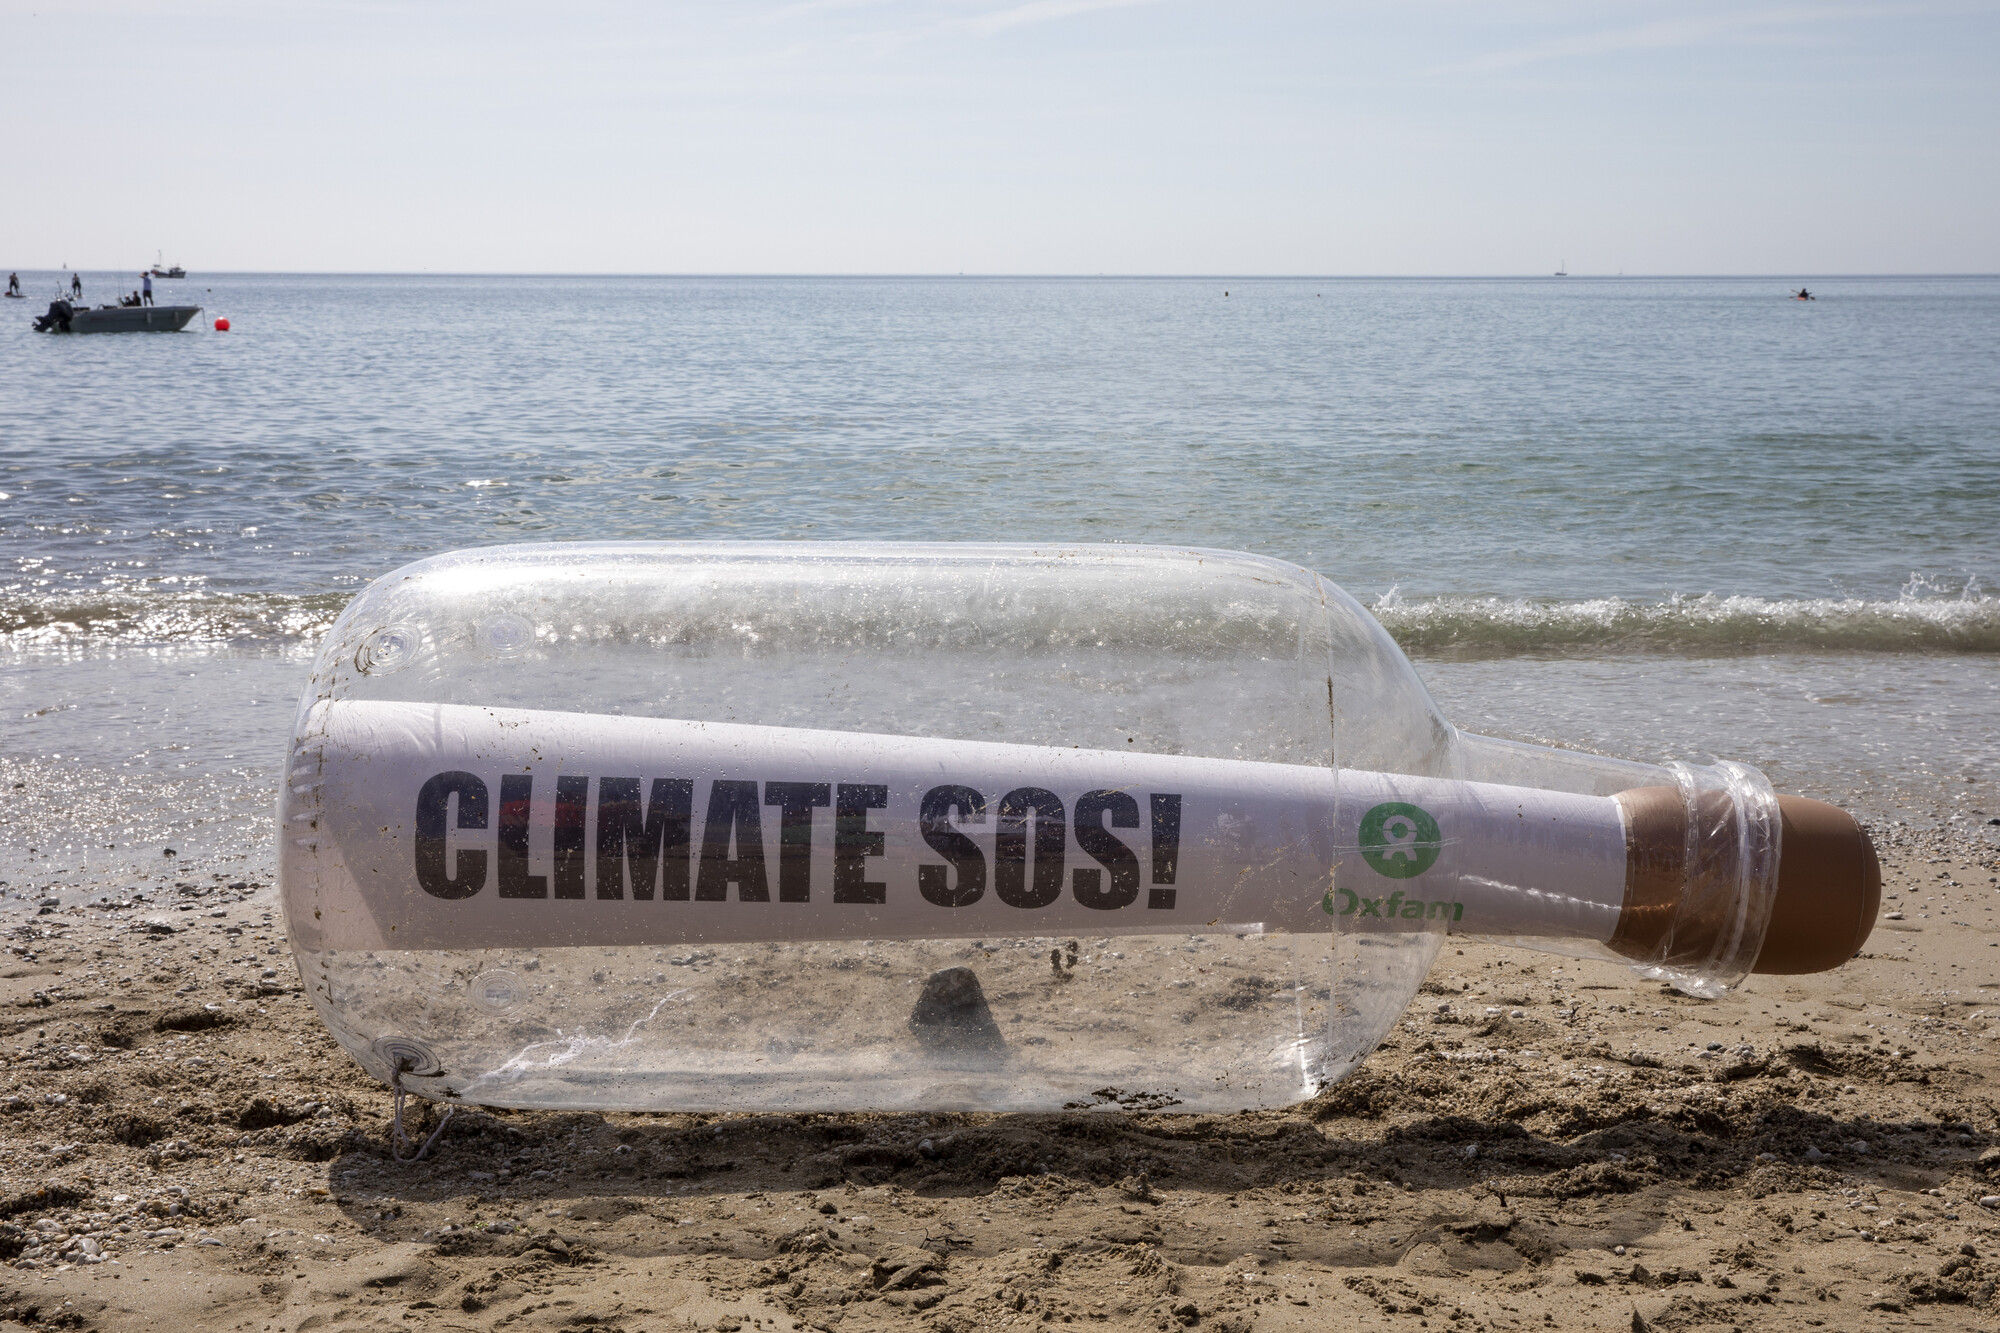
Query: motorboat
{"x": 160, "y": 271}
{"x": 62, "y": 317}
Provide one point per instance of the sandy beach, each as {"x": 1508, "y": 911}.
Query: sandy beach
{"x": 781, "y": 563}
{"x": 1542, "y": 1144}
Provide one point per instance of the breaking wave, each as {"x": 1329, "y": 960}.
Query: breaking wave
{"x": 192, "y": 617}
{"x": 1689, "y": 626}
{"x": 1436, "y": 627}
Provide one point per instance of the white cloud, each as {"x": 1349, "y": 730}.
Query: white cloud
{"x": 1041, "y": 11}
{"x": 1663, "y": 34}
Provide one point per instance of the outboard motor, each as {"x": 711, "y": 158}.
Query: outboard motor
{"x": 57, "y": 320}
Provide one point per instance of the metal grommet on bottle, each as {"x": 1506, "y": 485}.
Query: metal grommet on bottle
{"x": 388, "y": 649}
{"x": 497, "y": 991}
{"x": 408, "y": 1056}
{"x": 506, "y": 636}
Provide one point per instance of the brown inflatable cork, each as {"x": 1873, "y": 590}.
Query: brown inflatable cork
{"x": 1829, "y": 885}
{"x": 1829, "y": 889}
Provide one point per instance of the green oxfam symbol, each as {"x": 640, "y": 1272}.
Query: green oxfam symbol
{"x": 1399, "y": 840}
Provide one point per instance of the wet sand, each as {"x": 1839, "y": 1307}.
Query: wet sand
{"x": 1542, "y": 1144}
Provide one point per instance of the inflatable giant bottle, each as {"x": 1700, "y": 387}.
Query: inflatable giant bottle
{"x": 872, "y": 826}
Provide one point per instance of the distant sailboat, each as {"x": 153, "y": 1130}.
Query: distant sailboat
{"x": 1562, "y": 268}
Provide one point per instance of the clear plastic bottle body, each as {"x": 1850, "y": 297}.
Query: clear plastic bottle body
{"x": 1136, "y": 650}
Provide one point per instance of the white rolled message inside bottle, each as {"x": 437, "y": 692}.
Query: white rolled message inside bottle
{"x": 444, "y": 826}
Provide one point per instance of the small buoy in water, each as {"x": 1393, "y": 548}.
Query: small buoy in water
{"x": 222, "y": 324}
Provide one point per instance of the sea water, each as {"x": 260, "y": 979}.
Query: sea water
{"x": 1653, "y": 518}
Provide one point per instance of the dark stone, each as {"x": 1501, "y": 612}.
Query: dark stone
{"x": 951, "y": 1020}
{"x": 193, "y": 1020}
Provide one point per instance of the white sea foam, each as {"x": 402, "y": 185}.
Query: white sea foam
{"x": 1690, "y": 626}
{"x": 1456, "y": 627}
{"x": 118, "y": 618}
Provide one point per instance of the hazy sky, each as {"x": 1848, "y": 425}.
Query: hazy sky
{"x": 1053, "y": 136}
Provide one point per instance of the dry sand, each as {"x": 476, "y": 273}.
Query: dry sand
{"x": 1542, "y": 1144}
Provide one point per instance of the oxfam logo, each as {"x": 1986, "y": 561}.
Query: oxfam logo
{"x": 1399, "y": 840}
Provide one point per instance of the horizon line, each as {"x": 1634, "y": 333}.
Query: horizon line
{"x": 1034, "y": 276}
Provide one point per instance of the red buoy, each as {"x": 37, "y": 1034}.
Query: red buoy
{"x": 222, "y": 324}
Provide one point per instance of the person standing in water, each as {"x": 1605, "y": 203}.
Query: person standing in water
{"x": 147, "y": 290}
